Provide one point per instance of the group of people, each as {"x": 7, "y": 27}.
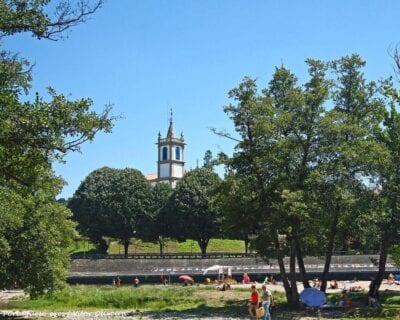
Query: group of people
{"x": 116, "y": 282}
{"x": 265, "y": 300}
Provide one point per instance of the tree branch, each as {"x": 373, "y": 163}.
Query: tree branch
{"x": 224, "y": 134}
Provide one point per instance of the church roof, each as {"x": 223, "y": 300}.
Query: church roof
{"x": 151, "y": 177}
{"x": 171, "y": 133}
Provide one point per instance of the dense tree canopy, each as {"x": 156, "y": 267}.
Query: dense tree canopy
{"x": 111, "y": 203}
{"x": 307, "y": 166}
{"x": 192, "y": 212}
{"x": 154, "y": 227}
{"x": 35, "y": 230}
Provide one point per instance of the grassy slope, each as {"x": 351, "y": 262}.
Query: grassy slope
{"x": 215, "y": 245}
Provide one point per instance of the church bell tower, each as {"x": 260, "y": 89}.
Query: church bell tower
{"x": 170, "y": 165}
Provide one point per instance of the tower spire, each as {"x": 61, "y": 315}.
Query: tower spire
{"x": 170, "y": 133}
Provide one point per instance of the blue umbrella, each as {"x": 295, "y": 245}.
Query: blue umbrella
{"x": 312, "y": 297}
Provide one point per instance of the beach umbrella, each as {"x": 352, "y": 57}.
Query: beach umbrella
{"x": 186, "y": 278}
{"x": 312, "y": 297}
{"x": 218, "y": 268}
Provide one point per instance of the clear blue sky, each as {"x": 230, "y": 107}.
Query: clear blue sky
{"x": 147, "y": 56}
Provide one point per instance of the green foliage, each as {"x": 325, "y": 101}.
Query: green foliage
{"x": 207, "y": 158}
{"x": 18, "y": 16}
{"x": 81, "y": 246}
{"x": 395, "y": 254}
{"x": 35, "y": 230}
{"x": 238, "y": 202}
{"x": 111, "y": 203}
{"x": 33, "y": 135}
{"x": 154, "y": 226}
{"x": 302, "y": 166}
{"x": 192, "y": 212}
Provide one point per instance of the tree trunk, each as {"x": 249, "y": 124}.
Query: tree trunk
{"x": 126, "y": 247}
{"x": 329, "y": 249}
{"x": 376, "y": 283}
{"x": 203, "y": 246}
{"x": 161, "y": 244}
{"x": 246, "y": 246}
{"x": 103, "y": 246}
{"x": 300, "y": 261}
{"x": 293, "y": 285}
{"x": 285, "y": 280}
{"x": 282, "y": 272}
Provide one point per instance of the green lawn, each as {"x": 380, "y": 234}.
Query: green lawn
{"x": 189, "y": 246}
{"x": 199, "y": 300}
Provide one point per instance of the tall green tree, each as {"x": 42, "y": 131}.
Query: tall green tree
{"x": 350, "y": 149}
{"x": 154, "y": 227}
{"x": 279, "y": 147}
{"x": 111, "y": 203}
{"x": 238, "y": 203}
{"x": 35, "y": 230}
{"x": 35, "y": 233}
{"x": 388, "y": 220}
{"x": 192, "y": 212}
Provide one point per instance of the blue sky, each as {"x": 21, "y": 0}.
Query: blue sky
{"x": 145, "y": 57}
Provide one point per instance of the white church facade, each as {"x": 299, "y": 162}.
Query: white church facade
{"x": 171, "y": 158}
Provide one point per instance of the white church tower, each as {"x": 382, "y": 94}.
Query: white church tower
{"x": 171, "y": 160}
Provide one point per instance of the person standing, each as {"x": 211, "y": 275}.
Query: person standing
{"x": 136, "y": 282}
{"x": 267, "y": 301}
{"x": 253, "y": 302}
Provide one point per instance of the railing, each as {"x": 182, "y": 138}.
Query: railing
{"x": 183, "y": 255}
{"x": 214, "y": 255}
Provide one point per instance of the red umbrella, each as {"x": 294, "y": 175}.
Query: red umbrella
{"x": 186, "y": 278}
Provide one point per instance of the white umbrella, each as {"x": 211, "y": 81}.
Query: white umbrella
{"x": 312, "y": 297}
{"x": 218, "y": 268}
{"x": 213, "y": 268}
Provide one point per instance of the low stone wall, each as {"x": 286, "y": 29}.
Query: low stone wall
{"x": 196, "y": 267}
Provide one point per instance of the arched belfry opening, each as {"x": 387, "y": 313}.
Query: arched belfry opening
{"x": 171, "y": 157}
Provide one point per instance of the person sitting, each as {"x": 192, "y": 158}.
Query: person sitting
{"x": 390, "y": 279}
{"x": 316, "y": 283}
{"x": 246, "y": 278}
{"x": 356, "y": 289}
{"x": 224, "y": 287}
{"x": 333, "y": 284}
